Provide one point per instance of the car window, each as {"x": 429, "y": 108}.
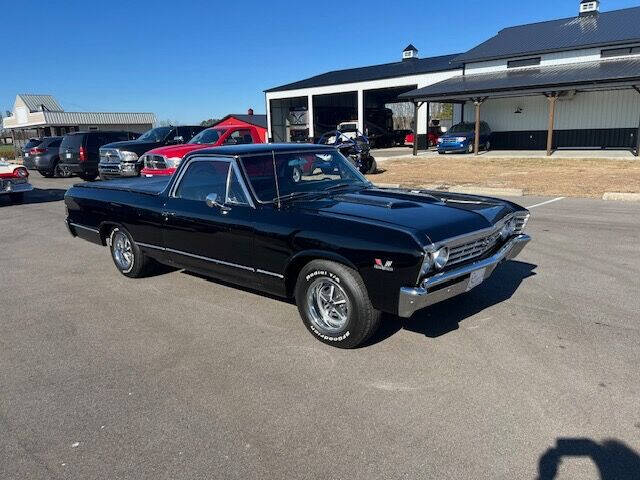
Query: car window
{"x": 203, "y": 178}
{"x": 55, "y": 142}
{"x": 235, "y": 194}
{"x": 242, "y": 136}
{"x": 208, "y": 136}
{"x": 72, "y": 142}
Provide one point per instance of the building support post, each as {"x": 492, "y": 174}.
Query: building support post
{"x": 415, "y": 129}
{"x": 310, "y": 118}
{"x": 477, "y": 102}
{"x": 428, "y": 122}
{"x": 637, "y": 152}
{"x": 361, "y": 122}
{"x": 553, "y": 98}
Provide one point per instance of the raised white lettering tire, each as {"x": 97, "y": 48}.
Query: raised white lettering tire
{"x": 334, "y": 304}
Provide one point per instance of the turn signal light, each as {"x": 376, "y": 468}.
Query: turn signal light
{"x": 83, "y": 154}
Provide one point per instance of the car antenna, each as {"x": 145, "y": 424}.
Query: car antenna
{"x": 275, "y": 176}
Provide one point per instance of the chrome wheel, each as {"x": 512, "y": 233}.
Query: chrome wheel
{"x": 328, "y": 306}
{"x": 122, "y": 251}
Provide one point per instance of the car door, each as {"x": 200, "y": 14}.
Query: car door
{"x": 214, "y": 239}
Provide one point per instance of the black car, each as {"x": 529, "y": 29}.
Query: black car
{"x": 124, "y": 159}
{"x": 80, "y": 151}
{"x": 45, "y": 158}
{"x": 354, "y": 146}
{"x": 300, "y": 221}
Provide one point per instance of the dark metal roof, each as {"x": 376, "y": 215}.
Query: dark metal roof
{"x": 259, "y": 120}
{"x": 375, "y": 72}
{"x": 574, "y": 76}
{"x": 607, "y": 28}
{"x": 410, "y": 47}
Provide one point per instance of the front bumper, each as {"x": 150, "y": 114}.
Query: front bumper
{"x": 117, "y": 170}
{"x": 7, "y": 186}
{"x": 453, "y": 147}
{"x": 455, "y": 282}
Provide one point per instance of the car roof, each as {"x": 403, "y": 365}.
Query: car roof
{"x": 257, "y": 148}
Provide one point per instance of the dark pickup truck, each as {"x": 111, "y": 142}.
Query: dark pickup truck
{"x": 300, "y": 221}
{"x": 124, "y": 159}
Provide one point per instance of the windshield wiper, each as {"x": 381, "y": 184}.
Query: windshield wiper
{"x": 295, "y": 195}
{"x": 340, "y": 186}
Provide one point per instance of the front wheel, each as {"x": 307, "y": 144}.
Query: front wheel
{"x": 470, "y": 148}
{"x": 126, "y": 254}
{"x": 46, "y": 173}
{"x": 334, "y": 304}
{"x": 487, "y": 146}
{"x": 373, "y": 167}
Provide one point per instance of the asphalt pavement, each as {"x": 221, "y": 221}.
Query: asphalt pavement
{"x": 535, "y": 374}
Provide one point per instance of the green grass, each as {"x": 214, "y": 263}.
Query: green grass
{"x": 6, "y": 151}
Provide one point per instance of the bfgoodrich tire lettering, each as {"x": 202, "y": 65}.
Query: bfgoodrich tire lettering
{"x": 334, "y": 304}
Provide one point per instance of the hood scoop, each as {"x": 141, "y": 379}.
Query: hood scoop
{"x": 376, "y": 201}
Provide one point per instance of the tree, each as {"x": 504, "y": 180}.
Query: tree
{"x": 209, "y": 123}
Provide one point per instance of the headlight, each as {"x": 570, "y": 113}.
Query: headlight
{"x": 173, "y": 162}
{"x": 440, "y": 258}
{"x": 437, "y": 259}
{"x": 461, "y": 139}
{"x": 128, "y": 156}
{"x": 440, "y": 140}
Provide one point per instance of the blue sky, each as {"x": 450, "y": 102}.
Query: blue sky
{"x": 191, "y": 60}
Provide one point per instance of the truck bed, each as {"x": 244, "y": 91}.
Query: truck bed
{"x": 149, "y": 186}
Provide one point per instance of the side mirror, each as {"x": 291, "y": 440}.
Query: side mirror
{"x": 178, "y": 139}
{"x": 212, "y": 202}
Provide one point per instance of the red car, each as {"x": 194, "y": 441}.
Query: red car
{"x": 434, "y": 134}
{"x": 165, "y": 160}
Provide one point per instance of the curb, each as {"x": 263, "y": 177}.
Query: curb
{"x": 495, "y": 192}
{"x": 622, "y": 197}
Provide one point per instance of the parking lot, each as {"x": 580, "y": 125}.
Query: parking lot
{"x": 534, "y": 373}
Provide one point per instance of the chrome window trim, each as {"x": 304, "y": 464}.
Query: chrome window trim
{"x": 77, "y": 225}
{"x": 209, "y": 259}
{"x": 232, "y": 161}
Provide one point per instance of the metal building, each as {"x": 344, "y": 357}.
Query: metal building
{"x": 568, "y": 83}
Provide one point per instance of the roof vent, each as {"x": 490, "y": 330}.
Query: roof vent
{"x": 589, "y": 7}
{"x": 409, "y": 53}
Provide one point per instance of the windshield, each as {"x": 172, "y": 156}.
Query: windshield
{"x": 208, "y": 136}
{"x": 300, "y": 173}
{"x": 333, "y": 138}
{"x": 155, "y": 134}
{"x": 462, "y": 128}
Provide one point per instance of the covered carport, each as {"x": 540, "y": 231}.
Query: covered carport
{"x": 607, "y": 114}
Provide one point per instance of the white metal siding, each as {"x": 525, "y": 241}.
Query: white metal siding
{"x": 548, "y": 59}
{"x": 602, "y": 109}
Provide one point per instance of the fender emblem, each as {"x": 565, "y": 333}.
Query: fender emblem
{"x": 385, "y": 266}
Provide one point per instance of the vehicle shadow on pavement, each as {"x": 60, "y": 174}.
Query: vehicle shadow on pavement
{"x": 37, "y": 195}
{"x": 445, "y": 317}
{"x": 614, "y": 459}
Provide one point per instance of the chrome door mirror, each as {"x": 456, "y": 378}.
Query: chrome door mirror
{"x": 213, "y": 202}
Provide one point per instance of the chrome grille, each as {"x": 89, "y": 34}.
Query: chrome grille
{"x": 476, "y": 248}
{"x": 156, "y": 162}
{"x": 109, "y": 155}
{"x": 520, "y": 223}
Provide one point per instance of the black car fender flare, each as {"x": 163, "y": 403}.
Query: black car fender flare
{"x": 300, "y": 259}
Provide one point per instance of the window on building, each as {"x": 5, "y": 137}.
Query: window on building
{"x": 526, "y": 62}
{"x": 619, "y": 52}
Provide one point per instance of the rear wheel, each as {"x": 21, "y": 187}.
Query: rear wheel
{"x": 88, "y": 177}
{"x": 373, "y": 167}
{"x": 126, "y": 254}
{"x": 487, "y": 146}
{"x": 46, "y": 173}
{"x": 334, "y": 304}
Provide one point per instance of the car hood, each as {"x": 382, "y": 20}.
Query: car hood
{"x": 134, "y": 145}
{"x": 436, "y": 215}
{"x": 178, "y": 150}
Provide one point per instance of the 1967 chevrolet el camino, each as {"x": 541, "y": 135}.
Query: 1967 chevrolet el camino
{"x": 300, "y": 221}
